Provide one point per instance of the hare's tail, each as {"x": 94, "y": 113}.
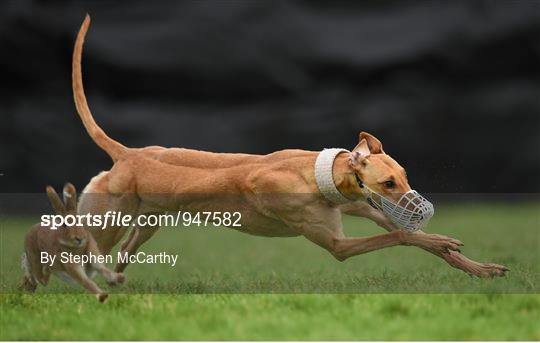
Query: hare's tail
{"x": 25, "y": 265}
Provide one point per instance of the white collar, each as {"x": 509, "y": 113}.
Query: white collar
{"x": 324, "y": 176}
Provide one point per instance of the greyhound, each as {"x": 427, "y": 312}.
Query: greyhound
{"x": 283, "y": 194}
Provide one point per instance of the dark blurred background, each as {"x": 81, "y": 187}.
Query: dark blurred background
{"x": 452, "y": 89}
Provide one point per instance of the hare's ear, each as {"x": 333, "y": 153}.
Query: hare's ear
{"x": 56, "y": 203}
{"x": 70, "y": 197}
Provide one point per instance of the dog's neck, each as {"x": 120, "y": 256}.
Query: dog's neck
{"x": 344, "y": 178}
{"x": 334, "y": 177}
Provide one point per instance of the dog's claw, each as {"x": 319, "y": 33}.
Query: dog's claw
{"x": 491, "y": 270}
{"x": 457, "y": 242}
{"x": 442, "y": 243}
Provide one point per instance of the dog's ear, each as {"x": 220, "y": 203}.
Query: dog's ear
{"x": 56, "y": 203}
{"x": 357, "y": 159}
{"x": 359, "y": 154}
{"x": 374, "y": 145}
{"x": 362, "y": 148}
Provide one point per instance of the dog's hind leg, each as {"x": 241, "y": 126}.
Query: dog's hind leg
{"x": 96, "y": 200}
{"x": 137, "y": 237}
{"x": 77, "y": 273}
{"x": 132, "y": 236}
{"x": 111, "y": 277}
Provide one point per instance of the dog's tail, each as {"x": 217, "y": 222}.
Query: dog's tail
{"x": 111, "y": 147}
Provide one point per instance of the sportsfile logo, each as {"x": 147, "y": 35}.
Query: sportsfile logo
{"x": 118, "y": 219}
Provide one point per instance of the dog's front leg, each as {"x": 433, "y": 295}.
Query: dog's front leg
{"x": 473, "y": 268}
{"x": 325, "y": 229}
{"x": 362, "y": 209}
{"x": 453, "y": 258}
{"x": 344, "y": 247}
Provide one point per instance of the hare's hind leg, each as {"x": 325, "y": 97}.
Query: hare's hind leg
{"x": 38, "y": 271}
{"x": 27, "y": 282}
{"x": 34, "y": 271}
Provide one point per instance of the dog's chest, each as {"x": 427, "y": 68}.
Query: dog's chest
{"x": 247, "y": 215}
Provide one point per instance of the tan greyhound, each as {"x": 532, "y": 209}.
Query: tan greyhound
{"x": 282, "y": 194}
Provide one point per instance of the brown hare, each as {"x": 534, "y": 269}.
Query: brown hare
{"x": 62, "y": 242}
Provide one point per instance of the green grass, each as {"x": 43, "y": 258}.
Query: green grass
{"x": 274, "y": 317}
{"x": 392, "y": 294}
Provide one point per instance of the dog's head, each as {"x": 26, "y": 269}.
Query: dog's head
{"x": 383, "y": 183}
{"x": 376, "y": 169}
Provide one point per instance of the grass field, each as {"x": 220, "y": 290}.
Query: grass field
{"x": 394, "y": 294}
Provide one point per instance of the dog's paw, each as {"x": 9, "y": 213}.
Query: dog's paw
{"x": 120, "y": 278}
{"x": 116, "y": 279}
{"x": 486, "y": 270}
{"x": 473, "y": 268}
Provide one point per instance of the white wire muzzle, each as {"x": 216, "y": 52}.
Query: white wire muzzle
{"x": 411, "y": 212}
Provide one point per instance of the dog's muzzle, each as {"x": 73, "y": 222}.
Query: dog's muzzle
{"x": 411, "y": 212}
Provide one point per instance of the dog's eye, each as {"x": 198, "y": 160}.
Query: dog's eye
{"x": 389, "y": 184}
